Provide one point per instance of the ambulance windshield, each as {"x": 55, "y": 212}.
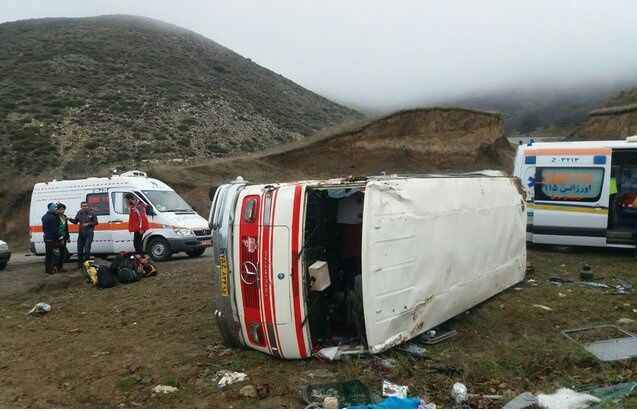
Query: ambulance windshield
{"x": 167, "y": 200}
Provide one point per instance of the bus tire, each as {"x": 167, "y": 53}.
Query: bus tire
{"x": 158, "y": 249}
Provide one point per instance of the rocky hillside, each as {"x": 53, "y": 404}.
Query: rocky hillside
{"x": 611, "y": 123}
{"x": 84, "y": 93}
{"x": 616, "y": 119}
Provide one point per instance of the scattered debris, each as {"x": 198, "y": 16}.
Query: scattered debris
{"x": 522, "y": 401}
{"x": 625, "y": 321}
{"x": 394, "y": 390}
{"x": 612, "y": 349}
{"x": 566, "y": 398}
{"x": 330, "y": 403}
{"x": 624, "y": 287}
{"x": 530, "y": 269}
{"x": 561, "y": 295}
{"x": 560, "y": 280}
{"x": 263, "y": 391}
{"x": 592, "y": 284}
{"x": 459, "y": 393}
{"x": 320, "y": 373}
{"x": 40, "y": 308}
{"x": 543, "y": 307}
{"x": 518, "y": 289}
{"x": 230, "y": 377}
{"x": 396, "y": 403}
{"x": 164, "y": 389}
{"x": 586, "y": 273}
{"x": 347, "y": 393}
{"x": 613, "y": 395}
{"x": 336, "y": 353}
{"x": 437, "y": 337}
{"x": 384, "y": 364}
{"x": 413, "y": 349}
{"x": 100, "y": 354}
{"x": 249, "y": 391}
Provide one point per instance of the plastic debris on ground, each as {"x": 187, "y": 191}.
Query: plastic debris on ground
{"x": 40, "y": 308}
{"x": 613, "y": 395}
{"x": 414, "y": 349}
{"x": 347, "y": 393}
{"x": 230, "y": 377}
{"x": 543, "y": 307}
{"x": 394, "y": 390}
{"x": 330, "y": 403}
{"x": 164, "y": 389}
{"x": 522, "y": 401}
{"x": 396, "y": 403}
{"x": 459, "y": 393}
{"x": 566, "y": 398}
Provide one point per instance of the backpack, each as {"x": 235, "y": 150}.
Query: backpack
{"x": 126, "y": 275}
{"x": 105, "y": 278}
{"x": 90, "y": 272}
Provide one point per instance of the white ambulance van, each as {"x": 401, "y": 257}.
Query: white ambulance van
{"x": 580, "y": 193}
{"x": 360, "y": 265}
{"x": 174, "y": 228}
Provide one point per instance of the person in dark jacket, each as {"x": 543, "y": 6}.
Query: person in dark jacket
{"x": 50, "y": 228}
{"x": 63, "y": 237}
{"x": 87, "y": 220}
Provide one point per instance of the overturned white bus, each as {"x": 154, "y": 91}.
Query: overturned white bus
{"x": 368, "y": 262}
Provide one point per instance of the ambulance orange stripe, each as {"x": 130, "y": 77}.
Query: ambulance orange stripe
{"x": 74, "y": 228}
{"x": 567, "y": 151}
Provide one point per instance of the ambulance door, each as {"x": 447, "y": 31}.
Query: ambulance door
{"x": 570, "y": 204}
{"x": 102, "y": 238}
{"x": 122, "y": 239}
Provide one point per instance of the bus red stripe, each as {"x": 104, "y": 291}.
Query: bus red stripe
{"x": 296, "y": 216}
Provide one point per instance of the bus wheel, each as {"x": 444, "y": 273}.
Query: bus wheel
{"x": 158, "y": 249}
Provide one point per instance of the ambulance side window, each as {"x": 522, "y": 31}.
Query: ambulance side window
{"x": 99, "y": 203}
{"x": 120, "y": 205}
{"x": 582, "y": 184}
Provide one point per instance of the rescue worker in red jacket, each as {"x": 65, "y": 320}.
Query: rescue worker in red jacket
{"x": 137, "y": 222}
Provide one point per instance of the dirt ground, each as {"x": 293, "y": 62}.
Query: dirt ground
{"x": 109, "y": 348}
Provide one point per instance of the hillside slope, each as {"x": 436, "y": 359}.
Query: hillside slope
{"x": 411, "y": 141}
{"x": 81, "y": 93}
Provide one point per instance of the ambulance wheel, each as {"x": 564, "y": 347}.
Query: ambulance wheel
{"x": 196, "y": 252}
{"x": 158, "y": 249}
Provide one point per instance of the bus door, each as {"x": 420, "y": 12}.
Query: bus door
{"x": 570, "y": 195}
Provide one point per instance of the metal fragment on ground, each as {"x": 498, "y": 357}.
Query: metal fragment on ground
{"x": 612, "y": 349}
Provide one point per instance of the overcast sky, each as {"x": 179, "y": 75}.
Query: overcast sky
{"x": 387, "y": 54}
